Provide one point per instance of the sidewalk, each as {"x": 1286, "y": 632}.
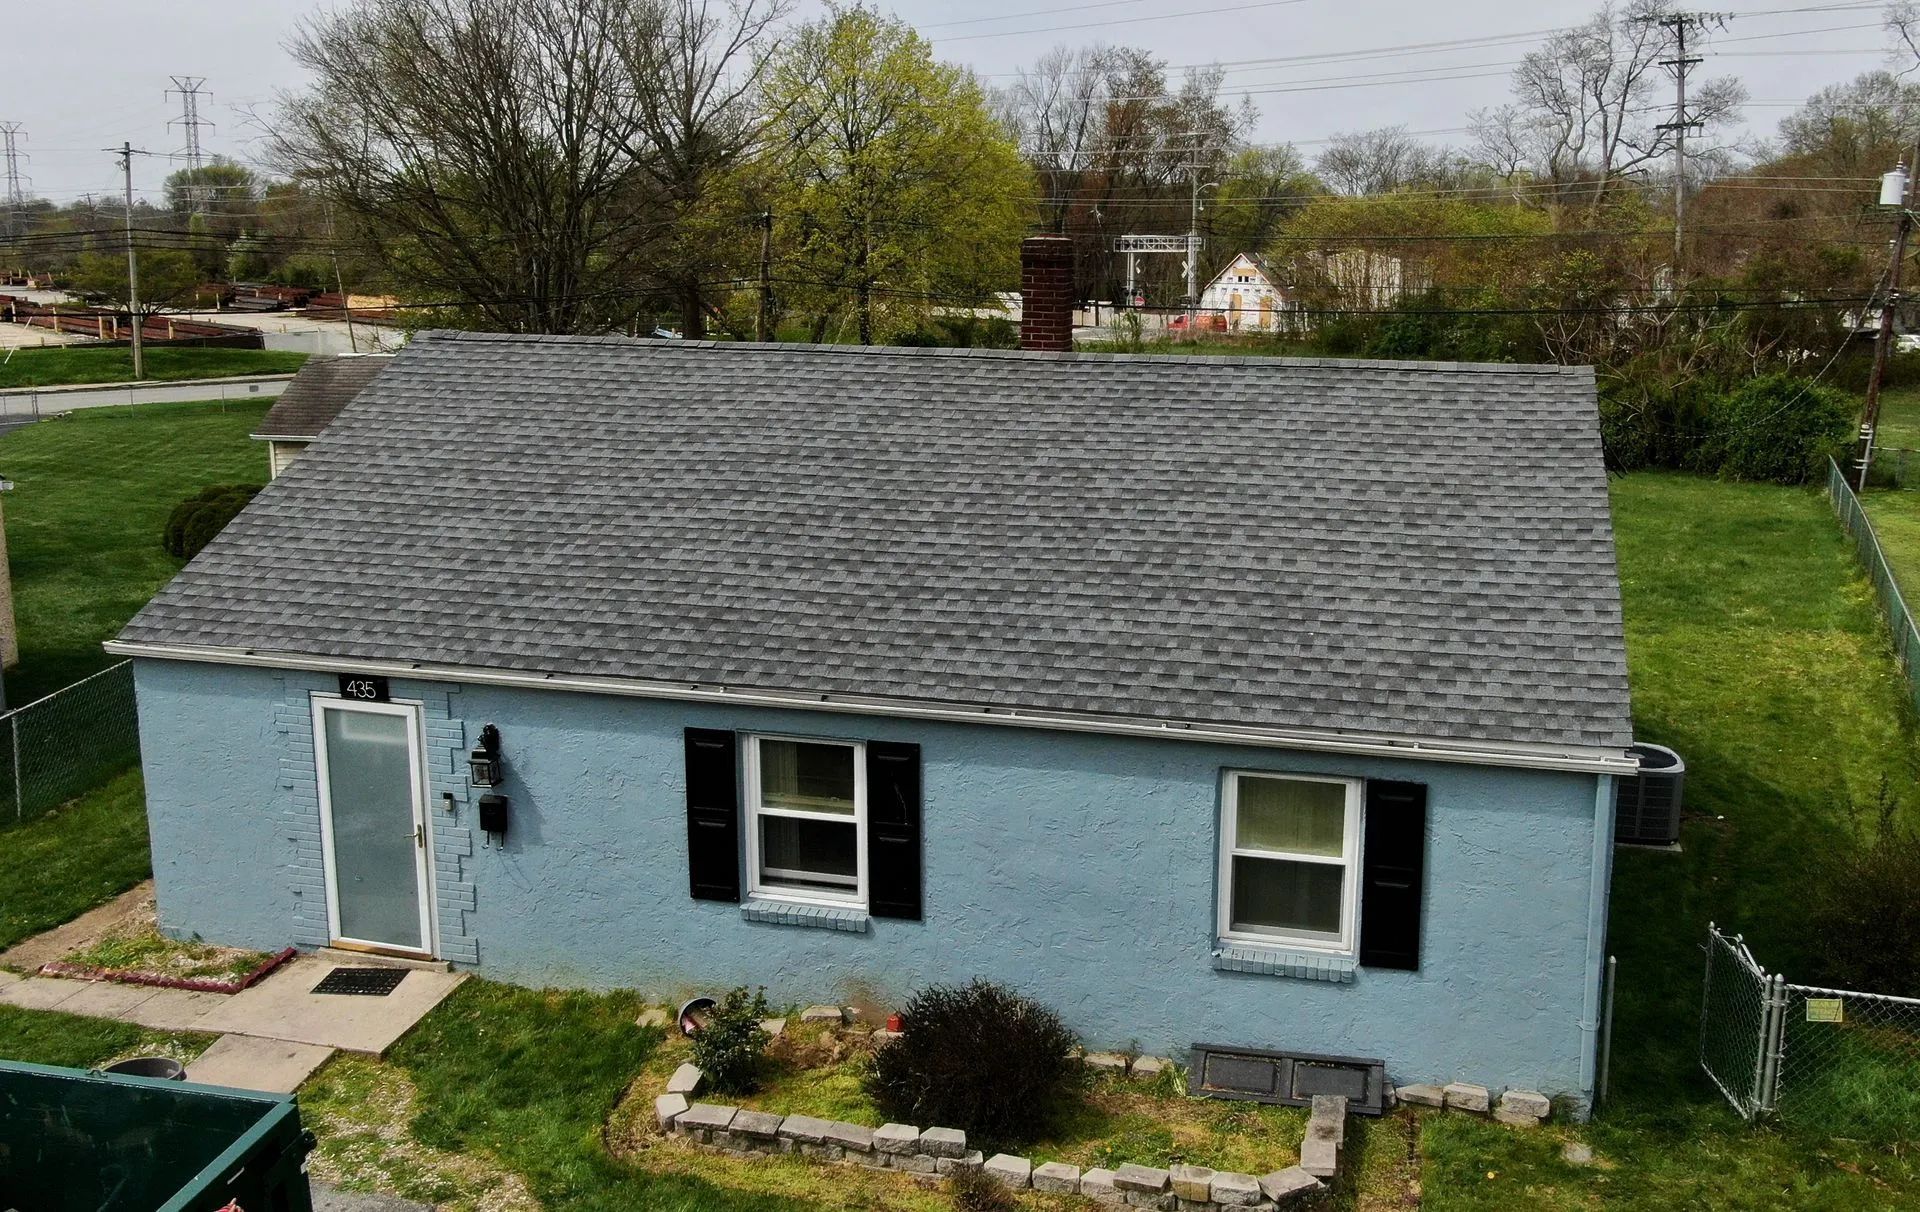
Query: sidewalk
{"x": 25, "y": 403}
{"x": 273, "y": 1035}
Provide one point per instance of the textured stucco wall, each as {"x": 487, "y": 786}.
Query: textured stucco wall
{"x": 1077, "y": 867}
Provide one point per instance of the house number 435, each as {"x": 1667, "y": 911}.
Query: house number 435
{"x": 363, "y": 689}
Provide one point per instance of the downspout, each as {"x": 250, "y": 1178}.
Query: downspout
{"x": 1597, "y": 895}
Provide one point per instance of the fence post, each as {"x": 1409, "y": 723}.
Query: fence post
{"x": 1606, "y": 1033}
{"x": 1706, "y": 994}
{"x": 1772, "y": 1046}
{"x": 13, "y": 730}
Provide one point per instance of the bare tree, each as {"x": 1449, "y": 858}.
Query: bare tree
{"x": 1056, "y": 109}
{"x": 482, "y": 149}
{"x": 1584, "y": 111}
{"x": 1381, "y": 161}
{"x": 696, "y": 68}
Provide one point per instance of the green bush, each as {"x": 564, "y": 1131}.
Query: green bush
{"x": 730, "y": 1047}
{"x": 195, "y": 521}
{"x": 1780, "y": 428}
{"x": 978, "y": 1057}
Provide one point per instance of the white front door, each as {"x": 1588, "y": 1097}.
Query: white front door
{"x": 373, "y": 824}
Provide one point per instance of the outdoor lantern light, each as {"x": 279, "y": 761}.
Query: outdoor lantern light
{"x": 484, "y": 761}
{"x": 1893, "y": 187}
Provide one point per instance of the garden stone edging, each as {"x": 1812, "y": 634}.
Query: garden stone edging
{"x": 935, "y": 1152}
{"x": 1514, "y": 1107}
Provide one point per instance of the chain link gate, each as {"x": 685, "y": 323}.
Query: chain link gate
{"x": 1848, "y": 1058}
{"x": 1740, "y": 1025}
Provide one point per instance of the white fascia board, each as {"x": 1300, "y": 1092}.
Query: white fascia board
{"x": 1405, "y": 748}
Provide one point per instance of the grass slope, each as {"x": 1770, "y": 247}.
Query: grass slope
{"x": 83, "y": 854}
{"x": 83, "y": 522}
{"x": 53, "y": 366}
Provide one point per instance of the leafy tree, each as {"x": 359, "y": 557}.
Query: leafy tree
{"x": 168, "y": 279}
{"x": 898, "y": 186}
{"x": 224, "y": 193}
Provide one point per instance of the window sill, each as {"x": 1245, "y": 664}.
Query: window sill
{"x": 792, "y": 913}
{"x": 1278, "y": 961}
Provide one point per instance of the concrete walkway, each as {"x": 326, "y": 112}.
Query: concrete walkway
{"x": 273, "y": 1035}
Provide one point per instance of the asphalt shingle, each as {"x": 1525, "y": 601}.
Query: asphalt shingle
{"x": 1362, "y": 547}
{"x": 315, "y": 396}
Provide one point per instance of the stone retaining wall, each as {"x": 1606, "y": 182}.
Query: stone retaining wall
{"x": 941, "y": 1151}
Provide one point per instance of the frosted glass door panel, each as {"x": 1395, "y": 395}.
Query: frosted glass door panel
{"x": 376, "y": 861}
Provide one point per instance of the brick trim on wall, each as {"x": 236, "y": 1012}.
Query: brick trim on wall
{"x": 445, "y": 755}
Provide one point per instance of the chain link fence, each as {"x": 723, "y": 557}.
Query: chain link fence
{"x": 67, "y": 743}
{"x": 1853, "y": 517}
{"x": 1846, "y": 1060}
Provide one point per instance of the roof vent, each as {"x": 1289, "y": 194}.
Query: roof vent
{"x": 1646, "y": 806}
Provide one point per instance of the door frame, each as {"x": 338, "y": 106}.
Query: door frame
{"x": 411, "y": 711}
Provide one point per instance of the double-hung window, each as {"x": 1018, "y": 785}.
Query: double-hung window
{"x": 807, "y": 819}
{"x": 1289, "y": 861}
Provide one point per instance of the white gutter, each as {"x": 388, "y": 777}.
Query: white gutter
{"x": 1586, "y": 761}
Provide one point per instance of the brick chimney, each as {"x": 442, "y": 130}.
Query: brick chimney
{"x": 1046, "y": 293}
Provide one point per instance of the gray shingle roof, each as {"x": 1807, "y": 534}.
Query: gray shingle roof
{"x": 1382, "y": 548}
{"x": 315, "y": 396}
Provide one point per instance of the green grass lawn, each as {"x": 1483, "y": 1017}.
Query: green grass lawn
{"x": 92, "y": 490}
{"x": 58, "y": 365}
{"x": 44, "y": 1037}
{"x": 78, "y": 856}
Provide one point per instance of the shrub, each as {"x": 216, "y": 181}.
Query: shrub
{"x": 195, "y": 521}
{"x": 976, "y": 1191}
{"x": 1866, "y": 908}
{"x": 1780, "y": 428}
{"x": 729, "y": 1048}
{"x": 978, "y": 1057}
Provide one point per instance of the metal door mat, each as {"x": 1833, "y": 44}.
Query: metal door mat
{"x": 364, "y": 982}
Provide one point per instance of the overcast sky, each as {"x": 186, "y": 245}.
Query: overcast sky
{"x": 79, "y": 87}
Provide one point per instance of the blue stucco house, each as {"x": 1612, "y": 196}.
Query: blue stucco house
{"x": 1268, "y": 702}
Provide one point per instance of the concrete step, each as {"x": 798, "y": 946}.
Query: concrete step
{"x": 368, "y": 959}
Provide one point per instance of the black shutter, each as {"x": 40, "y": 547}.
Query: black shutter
{"x": 713, "y": 815}
{"x": 893, "y": 830}
{"x": 1393, "y": 867}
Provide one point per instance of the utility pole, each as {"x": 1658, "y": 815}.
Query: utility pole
{"x": 339, "y": 284}
{"x": 126, "y": 154}
{"x": 1678, "y": 26}
{"x": 10, "y": 134}
{"x": 1193, "y": 241}
{"x": 1893, "y": 192}
{"x": 190, "y": 93}
{"x": 763, "y": 326}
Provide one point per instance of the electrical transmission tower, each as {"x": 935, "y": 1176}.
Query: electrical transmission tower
{"x": 1677, "y": 27}
{"x": 190, "y": 91}
{"x": 11, "y": 136}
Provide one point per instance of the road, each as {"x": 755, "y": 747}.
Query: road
{"x": 21, "y": 405}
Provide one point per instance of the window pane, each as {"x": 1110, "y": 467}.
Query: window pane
{"x": 1289, "y": 814}
{"x": 1272, "y": 894}
{"x": 801, "y": 853}
{"x": 807, "y": 777}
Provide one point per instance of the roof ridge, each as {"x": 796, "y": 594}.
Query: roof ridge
{"x": 920, "y": 351}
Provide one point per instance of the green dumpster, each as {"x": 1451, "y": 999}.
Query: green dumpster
{"x": 72, "y": 1140}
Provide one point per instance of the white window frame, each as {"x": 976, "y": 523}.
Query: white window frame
{"x": 759, "y": 888}
{"x": 1346, "y": 943}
